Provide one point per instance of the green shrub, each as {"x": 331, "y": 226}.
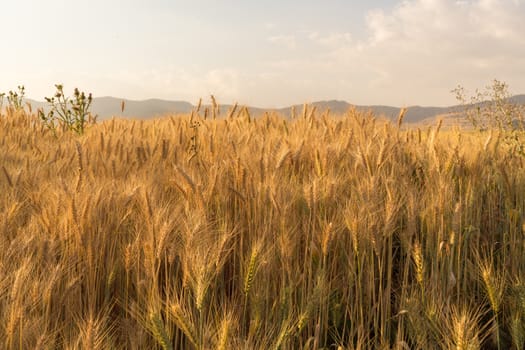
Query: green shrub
{"x": 494, "y": 109}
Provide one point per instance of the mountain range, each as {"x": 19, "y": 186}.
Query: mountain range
{"x": 108, "y": 107}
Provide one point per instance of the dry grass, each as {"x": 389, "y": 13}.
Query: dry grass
{"x": 341, "y": 232}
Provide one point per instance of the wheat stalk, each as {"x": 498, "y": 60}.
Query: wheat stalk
{"x": 232, "y": 111}
{"x": 159, "y": 332}
{"x": 215, "y": 106}
{"x": 517, "y": 331}
{"x": 418, "y": 260}
{"x": 224, "y": 333}
{"x": 80, "y": 165}
{"x": 401, "y": 116}
{"x": 7, "y": 177}
{"x": 251, "y": 270}
{"x": 494, "y": 286}
{"x": 184, "y": 323}
{"x": 327, "y": 237}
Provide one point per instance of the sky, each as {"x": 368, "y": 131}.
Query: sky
{"x": 269, "y": 53}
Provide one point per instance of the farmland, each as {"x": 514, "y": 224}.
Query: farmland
{"x": 323, "y": 231}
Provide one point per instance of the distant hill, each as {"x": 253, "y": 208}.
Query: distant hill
{"x": 519, "y": 99}
{"x": 454, "y": 116}
{"x": 107, "y": 107}
{"x": 414, "y": 114}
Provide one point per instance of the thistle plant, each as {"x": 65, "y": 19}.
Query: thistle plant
{"x": 15, "y": 99}
{"x": 194, "y": 126}
{"x": 71, "y": 113}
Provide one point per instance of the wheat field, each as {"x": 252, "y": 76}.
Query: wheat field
{"x": 321, "y": 232}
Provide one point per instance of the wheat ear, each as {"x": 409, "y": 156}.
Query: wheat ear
{"x": 159, "y": 332}
{"x": 251, "y": 270}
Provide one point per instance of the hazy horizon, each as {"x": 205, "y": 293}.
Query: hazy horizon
{"x": 270, "y": 54}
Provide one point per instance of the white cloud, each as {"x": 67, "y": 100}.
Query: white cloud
{"x": 331, "y": 39}
{"x": 443, "y": 41}
{"x": 270, "y": 25}
{"x": 453, "y": 21}
{"x": 287, "y": 41}
{"x": 416, "y": 53}
{"x": 223, "y": 83}
{"x": 172, "y": 83}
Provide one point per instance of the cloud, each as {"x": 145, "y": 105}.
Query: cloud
{"x": 440, "y": 42}
{"x": 331, "y": 39}
{"x": 192, "y": 83}
{"x": 287, "y": 41}
{"x": 172, "y": 83}
{"x": 270, "y": 25}
{"x": 481, "y": 21}
{"x": 416, "y": 53}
